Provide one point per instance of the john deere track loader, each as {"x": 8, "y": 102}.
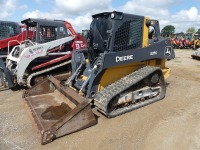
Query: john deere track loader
{"x": 122, "y": 70}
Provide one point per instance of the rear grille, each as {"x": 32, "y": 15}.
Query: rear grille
{"x": 128, "y": 36}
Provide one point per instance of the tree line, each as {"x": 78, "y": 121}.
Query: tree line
{"x": 169, "y": 31}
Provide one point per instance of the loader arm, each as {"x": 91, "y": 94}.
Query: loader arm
{"x": 36, "y": 51}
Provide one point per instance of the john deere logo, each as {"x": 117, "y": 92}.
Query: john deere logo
{"x": 168, "y": 51}
{"x": 124, "y": 58}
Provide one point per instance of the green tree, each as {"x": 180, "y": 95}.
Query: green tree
{"x": 168, "y": 30}
{"x": 198, "y": 31}
{"x": 191, "y": 30}
{"x": 181, "y": 33}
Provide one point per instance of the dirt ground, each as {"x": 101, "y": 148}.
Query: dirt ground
{"x": 172, "y": 123}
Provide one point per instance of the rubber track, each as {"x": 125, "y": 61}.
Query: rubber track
{"x": 103, "y": 98}
{"x": 195, "y": 57}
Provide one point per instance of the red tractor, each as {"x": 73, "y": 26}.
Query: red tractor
{"x": 175, "y": 41}
{"x": 186, "y": 41}
{"x": 11, "y": 34}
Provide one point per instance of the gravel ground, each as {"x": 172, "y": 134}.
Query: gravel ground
{"x": 172, "y": 123}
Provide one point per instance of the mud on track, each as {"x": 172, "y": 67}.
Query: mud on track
{"x": 172, "y": 123}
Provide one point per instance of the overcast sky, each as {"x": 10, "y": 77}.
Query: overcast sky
{"x": 180, "y": 13}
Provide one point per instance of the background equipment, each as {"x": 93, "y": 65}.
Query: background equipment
{"x": 48, "y": 47}
{"x": 196, "y": 41}
{"x": 196, "y": 54}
